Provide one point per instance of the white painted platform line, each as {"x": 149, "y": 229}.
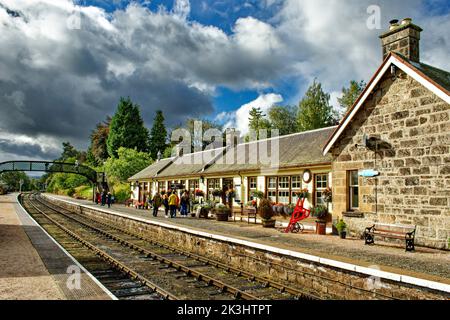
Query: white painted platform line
{"x": 369, "y": 272}
{"x": 109, "y": 293}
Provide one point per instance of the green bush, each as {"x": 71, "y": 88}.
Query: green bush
{"x": 341, "y": 226}
{"x": 71, "y": 192}
{"x": 122, "y": 192}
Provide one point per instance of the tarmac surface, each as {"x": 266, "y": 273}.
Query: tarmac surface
{"x": 33, "y": 266}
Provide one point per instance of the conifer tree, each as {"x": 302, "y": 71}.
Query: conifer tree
{"x": 127, "y": 129}
{"x": 158, "y": 135}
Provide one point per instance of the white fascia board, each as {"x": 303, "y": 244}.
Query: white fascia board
{"x": 409, "y": 71}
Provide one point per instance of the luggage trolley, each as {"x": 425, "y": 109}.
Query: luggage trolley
{"x": 299, "y": 214}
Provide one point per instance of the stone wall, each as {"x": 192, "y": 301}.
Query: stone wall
{"x": 412, "y": 128}
{"x": 314, "y": 278}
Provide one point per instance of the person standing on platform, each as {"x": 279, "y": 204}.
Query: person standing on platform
{"x": 166, "y": 204}
{"x": 173, "y": 205}
{"x": 157, "y": 201}
{"x": 108, "y": 199}
{"x": 184, "y": 204}
{"x": 97, "y": 198}
{"x": 103, "y": 198}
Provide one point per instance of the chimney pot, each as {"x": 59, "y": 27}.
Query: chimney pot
{"x": 403, "y": 38}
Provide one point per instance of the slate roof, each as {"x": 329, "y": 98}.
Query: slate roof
{"x": 295, "y": 150}
{"x": 152, "y": 170}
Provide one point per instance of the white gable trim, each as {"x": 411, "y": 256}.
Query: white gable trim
{"x": 408, "y": 70}
{"x": 423, "y": 81}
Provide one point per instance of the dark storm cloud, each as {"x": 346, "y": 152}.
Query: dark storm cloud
{"x": 26, "y": 150}
{"x": 58, "y": 77}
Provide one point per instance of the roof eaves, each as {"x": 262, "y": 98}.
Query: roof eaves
{"x": 408, "y": 68}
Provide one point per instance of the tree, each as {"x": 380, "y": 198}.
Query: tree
{"x": 128, "y": 163}
{"x": 69, "y": 151}
{"x": 158, "y": 135}
{"x": 284, "y": 119}
{"x": 350, "y": 94}
{"x": 315, "y": 111}
{"x": 257, "y": 121}
{"x": 12, "y": 180}
{"x": 127, "y": 129}
{"x": 98, "y": 150}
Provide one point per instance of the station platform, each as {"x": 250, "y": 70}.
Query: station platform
{"x": 33, "y": 266}
{"x": 426, "y": 266}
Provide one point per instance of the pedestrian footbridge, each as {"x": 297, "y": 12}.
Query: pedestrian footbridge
{"x": 97, "y": 178}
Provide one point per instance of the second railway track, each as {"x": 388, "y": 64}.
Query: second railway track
{"x": 152, "y": 270}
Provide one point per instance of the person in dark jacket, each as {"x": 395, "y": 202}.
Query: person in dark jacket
{"x": 157, "y": 201}
{"x": 184, "y": 202}
{"x": 166, "y": 204}
{"x": 103, "y": 198}
{"x": 108, "y": 199}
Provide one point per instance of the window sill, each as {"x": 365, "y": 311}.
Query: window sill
{"x": 353, "y": 214}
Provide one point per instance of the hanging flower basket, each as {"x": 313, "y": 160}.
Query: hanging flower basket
{"x": 303, "y": 194}
{"x": 199, "y": 193}
{"x": 217, "y": 193}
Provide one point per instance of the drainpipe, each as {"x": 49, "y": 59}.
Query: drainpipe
{"x": 242, "y": 187}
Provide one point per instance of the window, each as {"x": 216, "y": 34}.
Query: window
{"x": 320, "y": 184}
{"x": 296, "y": 186}
{"x": 283, "y": 190}
{"x": 161, "y": 186}
{"x": 272, "y": 184}
{"x": 213, "y": 184}
{"x": 252, "y": 186}
{"x": 353, "y": 190}
{"x": 194, "y": 185}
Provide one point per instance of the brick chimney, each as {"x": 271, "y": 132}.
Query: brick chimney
{"x": 404, "y": 38}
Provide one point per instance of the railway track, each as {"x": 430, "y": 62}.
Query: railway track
{"x": 159, "y": 270}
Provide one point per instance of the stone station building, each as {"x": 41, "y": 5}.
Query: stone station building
{"x": 399, "y": 128}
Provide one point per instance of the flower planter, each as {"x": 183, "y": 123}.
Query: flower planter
{"x": 288, "y": 211}
{"x": 343, "y": 234}
{"x": 321, "y": 228}
{"x": 222, "y": 216}
{"x": 269, "y": 223}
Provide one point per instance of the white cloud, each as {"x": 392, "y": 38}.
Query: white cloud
{"x": 182, "y": 8}
{"x": 239, "y": 119}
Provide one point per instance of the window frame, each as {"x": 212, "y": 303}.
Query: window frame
{"x": 350, "y": 189}
{"x": 321, "y": 189}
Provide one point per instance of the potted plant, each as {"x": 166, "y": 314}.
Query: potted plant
{"x": 222, "y": 212}
{"x": 204, "y": 209}
{"x": 341, "y": 226}
{"x": 258, "y": 194}
{"x": 266, "y": 213}
{"x": 321, "y": 213}
{"x": 251, "y": 204}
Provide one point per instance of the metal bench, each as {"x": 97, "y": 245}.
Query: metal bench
{"x": 392, "y": 231}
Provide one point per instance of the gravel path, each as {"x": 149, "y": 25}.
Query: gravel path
{"x": 425, "y": 262}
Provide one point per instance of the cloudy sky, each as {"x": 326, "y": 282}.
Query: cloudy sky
{"x": 64, "y": 64}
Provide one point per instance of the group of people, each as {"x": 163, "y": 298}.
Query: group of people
{"x": 104, "y": 198}
{"x": 171, "y": 203}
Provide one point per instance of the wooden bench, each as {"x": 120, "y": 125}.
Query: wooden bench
{"x": 392, "y": 231}
{"x": 138, "y": 205}
{"x": 248, "y": 212}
